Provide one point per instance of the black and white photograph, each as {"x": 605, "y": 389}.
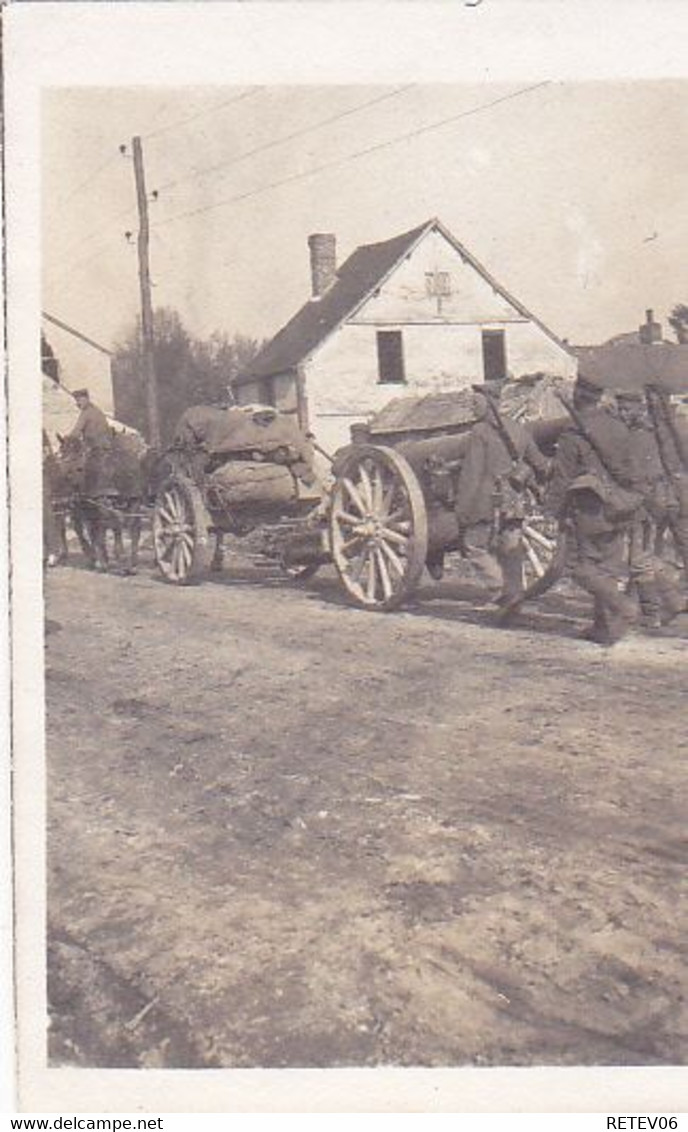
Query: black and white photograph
{"x": 359, "y": 506}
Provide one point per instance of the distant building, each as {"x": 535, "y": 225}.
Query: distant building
{"x": 416, "y": 313}
{"x": 78, "y": 361}
{"x": 634, "y": 358}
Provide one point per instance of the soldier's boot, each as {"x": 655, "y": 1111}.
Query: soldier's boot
{"x": 435, "y": 565}
{"x": 217, "y": 561}
{"x": 679, "y": 529}
{"x": 135, "y": 541}
{"x": 511, "y": 562}
{"x": 488, "y": 571}
{"x": 599, "y": 627}
{"x": 616, "y": 608}
{"x": 650, "y": 603}
{"x": 512, "y": 596}
{"x": 671, "y": 600}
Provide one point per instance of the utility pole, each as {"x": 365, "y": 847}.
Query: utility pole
{"x": 146, "y": 304}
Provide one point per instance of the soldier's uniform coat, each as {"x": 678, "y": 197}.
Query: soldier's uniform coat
{"x": 584, "y": 490}
{"x": 93, "y": 428}
{"x": 486, "y": 500}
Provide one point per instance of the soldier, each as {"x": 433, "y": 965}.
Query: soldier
{"x": 500, "y": 460}
{"x": 93, "y": 430}
{"x": 672, "y": 446}
{"x": 660, "y": 598}
{"x": 593, "y": 493}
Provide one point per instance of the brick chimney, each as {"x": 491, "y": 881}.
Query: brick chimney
{"x": 323, "y": 248}
{"x": 650, "y": 331}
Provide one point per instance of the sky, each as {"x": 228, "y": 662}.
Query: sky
{"x": 572, "y": 194}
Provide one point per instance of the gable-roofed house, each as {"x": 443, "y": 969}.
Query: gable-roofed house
{"x": 414, "y": 314}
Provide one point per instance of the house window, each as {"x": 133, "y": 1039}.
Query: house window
{"x": 390, "y": 357}
{"x": 494, "y": 355}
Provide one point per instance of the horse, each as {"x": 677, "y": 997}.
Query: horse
{"x": 60, "y": 504}
{"x": 104, "y": 492}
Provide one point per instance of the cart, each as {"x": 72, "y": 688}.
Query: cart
{"x": 238, "y": 472}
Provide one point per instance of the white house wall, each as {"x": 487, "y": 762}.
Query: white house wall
{"x": 342, "y": 377}
{"x": 404, "y": 296}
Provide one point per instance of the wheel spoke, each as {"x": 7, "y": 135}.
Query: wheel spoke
{"x": 535, "y": 562}
{"x": 393, "y": 558}
{"x": 394, "y": 536}
{"x": 346, "y": 519}
{"x": 167, "y": 549}
{"x": 366, "y": 488}
{"x": 389, "y": 492}
{"x": 177, "y": 560}
{"x": 378, "y": 491}
{"x": 350, "y": 543}
{"x": 384, "y": 575}
{"x": 166, "y": 515}
{"x": 399, "y": 520}
{"x": 370, "y": 587}
{"x": 185, "y": 554}
{"x": 354, "y": 495}
{"x": 534, "y": 535}
{"x": 356, "y": 565}
{"x": 172, "y": 501}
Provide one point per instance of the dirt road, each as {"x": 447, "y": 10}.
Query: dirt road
{"x": 284, "y": 832}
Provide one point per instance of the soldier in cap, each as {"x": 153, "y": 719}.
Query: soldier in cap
{"x": 593, "y": 492}
{"x": 659, "y": 596}
{"x": 501, "y": 459}
{"x": 93, "y": 430}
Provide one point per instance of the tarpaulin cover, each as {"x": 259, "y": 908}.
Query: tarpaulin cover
{"x": 227, "y": 431}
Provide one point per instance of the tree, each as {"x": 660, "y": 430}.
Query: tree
{"x": 190, "y": 371}
{"x": 678, "y": 321}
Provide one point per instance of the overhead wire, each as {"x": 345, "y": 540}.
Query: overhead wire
{"x": 153, "y": 133}
{"x": 352, "y": 156}
{"x": 87, "y": 181}
{"x": 176, "y": 125}
{"x": 231, "y": 161}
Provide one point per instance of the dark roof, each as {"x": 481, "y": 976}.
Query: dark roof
{"x": 626, "y": 363}
{"x": 361, "y": 274}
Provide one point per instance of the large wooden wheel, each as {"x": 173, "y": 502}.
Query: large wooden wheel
{"x": 180, "y": 531}
{"x": 541, "y": 546}
{"x": 378, "y": 527}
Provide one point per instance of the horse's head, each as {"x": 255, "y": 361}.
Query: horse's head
{"x": 70, "y": 463}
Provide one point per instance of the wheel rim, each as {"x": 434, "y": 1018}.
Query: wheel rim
{"x": 174, "y": 533}
{"x": 378, "y": 528}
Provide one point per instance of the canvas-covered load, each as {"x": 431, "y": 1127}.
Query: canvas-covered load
{"x": 451, "y": 411}
{"x": 237, "y": 483}
{"x": 243, "y": 430}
